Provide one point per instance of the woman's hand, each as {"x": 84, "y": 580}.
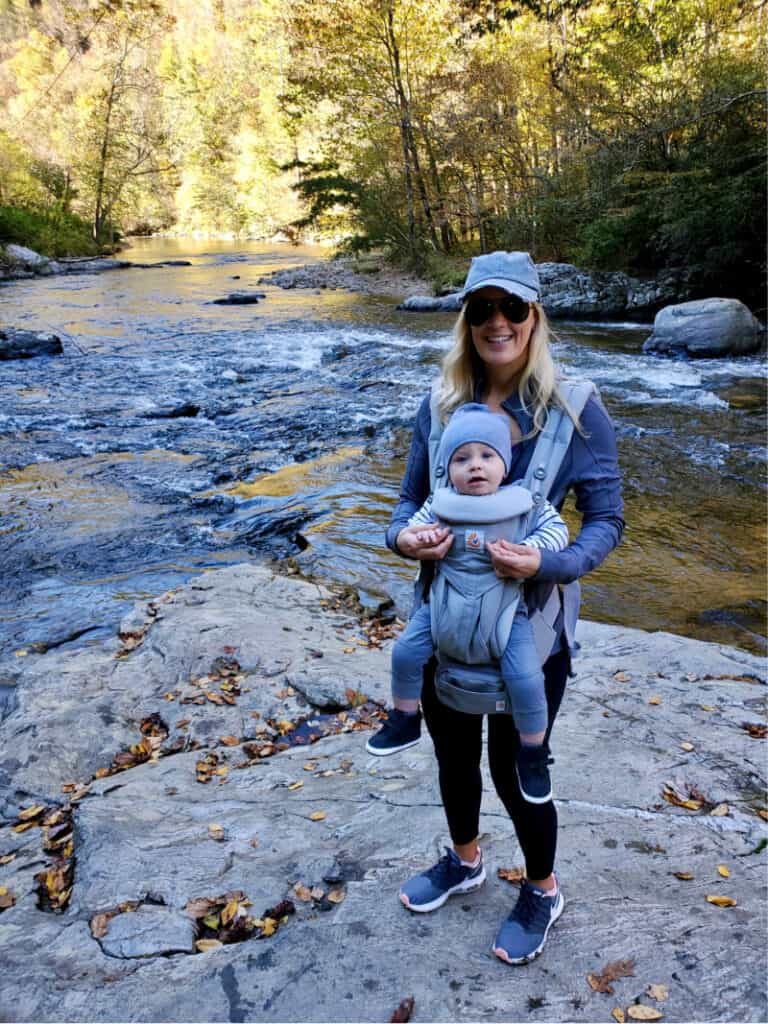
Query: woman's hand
{"x": 514, "y": 561}
{"x": 428, "y": 545}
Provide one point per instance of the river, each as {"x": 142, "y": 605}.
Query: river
{"x": 175, "y": 435}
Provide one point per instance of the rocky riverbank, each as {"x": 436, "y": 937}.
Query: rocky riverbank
{"x": 162, "y": 800}
{"x": 366, "y": 277}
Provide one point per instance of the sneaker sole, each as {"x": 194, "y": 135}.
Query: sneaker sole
{"x": 383, "y": 752}
{"x": 502, "y": 953}
{"x": 468, "y": 885}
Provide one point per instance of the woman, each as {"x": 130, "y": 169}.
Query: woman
{"x": 501, "y": 358}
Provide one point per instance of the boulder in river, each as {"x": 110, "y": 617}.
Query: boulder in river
{"x": 240, "y": 299}
{"x": 569, "y": 291}
{"x": 26, "y": 344}
{"x": 705, "y": 328}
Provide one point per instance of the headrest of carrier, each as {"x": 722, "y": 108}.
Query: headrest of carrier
{"x": 508, "y": 502}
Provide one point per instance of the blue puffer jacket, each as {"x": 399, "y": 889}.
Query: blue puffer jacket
{"x": 590, "y": 469}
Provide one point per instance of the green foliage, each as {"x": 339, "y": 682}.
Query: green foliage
{"x": 51, "y": 233}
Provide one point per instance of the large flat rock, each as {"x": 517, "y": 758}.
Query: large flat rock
{"x": 153, "y": 837}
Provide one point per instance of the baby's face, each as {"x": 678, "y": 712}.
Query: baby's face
{"x": 476, "y": 468}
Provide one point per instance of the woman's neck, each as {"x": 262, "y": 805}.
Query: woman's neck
{"x": 497, "y": 386}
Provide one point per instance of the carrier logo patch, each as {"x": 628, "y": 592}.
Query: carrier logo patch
{"x": 474, "y": 540}
{"x": 501, "y": 705}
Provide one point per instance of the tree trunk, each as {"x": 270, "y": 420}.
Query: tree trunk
{"x": 98, "y": 213}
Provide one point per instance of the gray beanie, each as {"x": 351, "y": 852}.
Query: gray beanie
{"x": 476, "y": 422}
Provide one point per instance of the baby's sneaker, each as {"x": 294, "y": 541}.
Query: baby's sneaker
{"x": 400, "y": 731}
{"x": 532, "y": 768}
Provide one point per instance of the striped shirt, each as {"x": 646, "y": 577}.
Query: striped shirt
{"x": 549, "y": 532}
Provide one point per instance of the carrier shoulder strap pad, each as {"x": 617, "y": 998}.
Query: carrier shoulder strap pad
{"x": 506, "y": 503}
{"x": 553, "y": 441}
{"x": 435, "y": 433}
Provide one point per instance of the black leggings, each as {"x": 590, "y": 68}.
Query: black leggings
{"x": 458, "y": 744}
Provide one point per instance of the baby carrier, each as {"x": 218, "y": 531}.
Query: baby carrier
{"x": 471, "y": 608}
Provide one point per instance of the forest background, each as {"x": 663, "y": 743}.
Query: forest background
{"x": 625, "y": 135}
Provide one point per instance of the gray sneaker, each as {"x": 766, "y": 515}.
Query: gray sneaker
{"x": 431, "y": 889}
{"x": 522, "y": 936}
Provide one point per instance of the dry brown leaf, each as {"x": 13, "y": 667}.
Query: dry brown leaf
{"x": 7, "y": 899}
{"x": 688, "y": 747}
{"x": 642, "y": 1012}
{"x": 302, "y": 892}
{"x": 296, "y": 785}
{"x": 317, "y": 816}
{"x": 621, "y": 677}
{"x": 723, "y": 870}
{"x": 403, "y": 1012}
{"x": 201, "y": 906}
{"x": 349, "y": 650}
{"x": 757, "y": 730}
{"x": 618, "y": 1015}
{"x": 516, "y": 874}
{"x": 230, "y": 911}
{"x": 310, "y": 766}
{"x": 706, "y": 707}
{"x": 253, "y": 842}
{"x": 24, "y": 826}
{"x": 216, "y": 832}
{"x": 684, "y": 876}
{"x": 269, "y": 927}
{"x": 611, "y": 972}
{"x": 206, "y": 945}
{"x": 720, "y": 811}
{"x": 658, "y": 992}
{"x": 763, "y": 813}
{"x": 229, "y": 741}
{"x": 336, "y": 896}
{"x": 7, "y": 858}
{"x": 31, "y": 812}
{"x": 99, "y": 925}
{"x": 721, "y": 901}
{"x": 317, "y": 893}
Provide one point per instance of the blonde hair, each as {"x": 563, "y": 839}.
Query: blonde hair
{"x": 462, "y": 371}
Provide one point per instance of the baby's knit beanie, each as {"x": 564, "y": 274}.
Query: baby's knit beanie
{"x": 476, "y": 422}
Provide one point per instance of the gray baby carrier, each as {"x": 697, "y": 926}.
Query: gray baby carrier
{"x": 471, "y": 608}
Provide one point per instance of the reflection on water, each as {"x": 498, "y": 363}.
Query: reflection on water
{"x": 175, "y": 435}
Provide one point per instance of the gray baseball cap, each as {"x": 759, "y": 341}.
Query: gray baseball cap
{"x": 515, "y": 272}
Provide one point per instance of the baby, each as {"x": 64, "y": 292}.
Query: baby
{"x": 476, "y": 447}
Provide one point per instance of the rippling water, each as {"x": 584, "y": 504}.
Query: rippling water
{"x": 175, "y": 435}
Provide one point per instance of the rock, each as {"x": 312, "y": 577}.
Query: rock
{"x": 26, "y": 257}
{"x": 149, "y": 931}
{"x": 16, "y": 344}
{"x": 174, "y": 412}
{"x": 240, "y": 299}
{"x": 705, "y": 328}
{"x": 144, "y": 833}
{"x": 571, "y": 292}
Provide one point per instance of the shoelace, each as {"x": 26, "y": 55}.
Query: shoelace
{"x": 445, "y": 866}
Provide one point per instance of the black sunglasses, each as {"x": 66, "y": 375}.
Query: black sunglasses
{"x": 513, "y": 308}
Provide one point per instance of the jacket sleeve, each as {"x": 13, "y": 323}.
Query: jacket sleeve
{"x": 414, "y": 489}
{"x": 591, "y": 470}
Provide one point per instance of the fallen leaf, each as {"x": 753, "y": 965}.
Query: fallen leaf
{"x": 720, "y": 811}
{"x": 317, "y": 816}
{"x": 349, "y": 650}
{"x": 99, "y": 925}
{"x": 253, "y": 842}
{"x": 688, "y": 747}
{"x": 24, "y": 826}
{"x": 514, "y": 875}
{"x": 216, "y": 832}
{"x": 201, "y": 906}
{"x": 721, "y": 901}
{"x": 230, "y": 911}
{"x": 658, "y": 992}
{"x": 21, "y": 653}
{"x": 31, "y": 812}
{"x": 403, "y": 1012}
{"x": 706, "y": 707}
{"x": 621, "y": 677}
{"x": 684, "y": 876}
{"x": 642, "y": 1012}
{"x": 611, "y": 972}
{"x": 206, "y": 945}
{"x": 310, "y": 766}
{"x": 212, "y": 921}
{"x": 618, "y": 1015}
{"x": 757, "y": 730}
{"x": 7, "y": 858}
{"x": 269, "y": 927}
{"x": 302, "y": 892}
{"x": 723, "y": 870}
{"x": 7, "y": 899}
{"x": 336, "y": 896}
{"x": 763, "y": 813}
{"x": 296, "y": 785}
{"x": 229, "y": 741}
{"x": 317, "y": 893}
{"x": 655, "y": 700}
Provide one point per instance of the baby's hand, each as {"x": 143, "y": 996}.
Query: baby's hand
{"x": 427, "y": 536}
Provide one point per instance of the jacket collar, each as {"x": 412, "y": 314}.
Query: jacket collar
{"x": 513, "y": 405}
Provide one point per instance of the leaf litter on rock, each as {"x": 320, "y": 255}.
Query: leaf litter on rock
{"x": 403, "y": 1011}
{"x": 601, "y": 982}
